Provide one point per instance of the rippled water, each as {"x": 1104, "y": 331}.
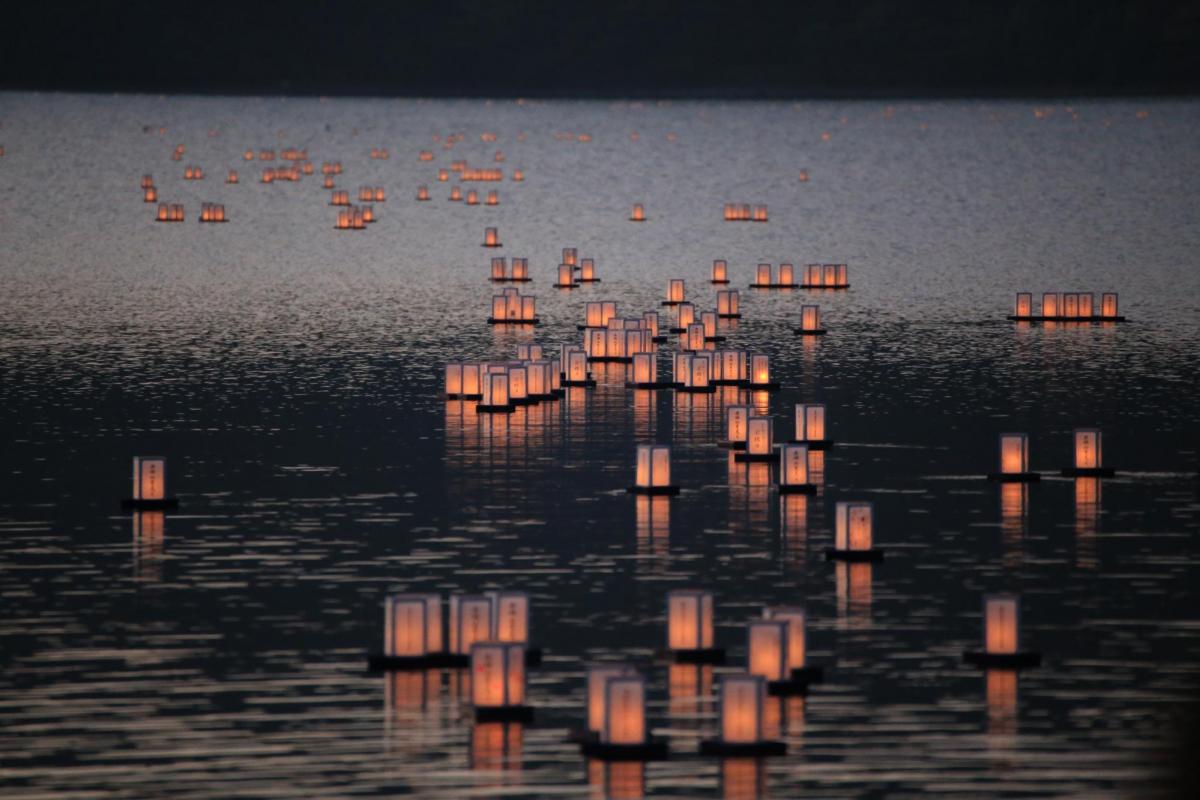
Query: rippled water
{"x": 291, "y": 374}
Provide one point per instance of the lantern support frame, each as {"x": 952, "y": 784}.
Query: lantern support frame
{"x": 871, "y": 554}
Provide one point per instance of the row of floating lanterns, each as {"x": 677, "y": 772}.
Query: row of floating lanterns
{"x": 354, "y": 218}
{"x": 815, "y": 276}
{"x": 193, "y": 173}
{"x": 1067, "y": 307}
{"x": 1087, "y": 452}
{"x": 212, "y": 212}
{"x": 735, "y": 212}
{"x": 371, "y": 194}
{"x": 273, "y": 174}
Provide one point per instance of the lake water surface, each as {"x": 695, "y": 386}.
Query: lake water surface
{"x": 291, "y": 374}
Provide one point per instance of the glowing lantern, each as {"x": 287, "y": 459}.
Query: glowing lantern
{"x": 730, "y": 367}
{"x": 150, "y": 482}
{"x": 639, "y": 213}
{"x": 853, "y": 537}
{"x": 736, "y": 419}
{"x": 598, "y": 676}
{"x": 1070, "y": 305}
{"x": 843, "y": 277}
{"x": 587, "y": 271}
{"x": 762, "y": 276}
{"x": 692, "y": 373}
{"x": 518, "y": 385}
{"x": 653, "y": 473}
{"x": 760, "y": 214}
{"x": 650, "y": 324}
{"x": 472, "y": 197}
{"x": 495, "y": 393}
{"x": 690, "y": 624}
{"x": 576, "y": 368}
{"x": 810, "y": 424}
{"x": 540, "y": 377}
{"x": 1001, "y": 636}
{"x": 674, "y": 292}
{"x": 520, "y": 270}
{"x": 624, "y": 711}
{"x": 810, "y": 321}
{"x": 510, "y": 616}
{"x": 413, "y": 626}
{"x": 795, "y": 618}
{"x": 728, "y": 304}
{"x": 787, "y": 276}
{"x": 1050, "y": 305}
{"x": 150, "y": 195}
{"x": 687, "y": 315}
{"x": 1024, "y": 305}
{"x": 491, "y": 238}
{"x": 1085, "y": 303}
{"x": 720, "y": 271}
{"x": 470, "y": 622}
{"x": 566, "y": 277}
{"x": 767, "y": 649}
{"x": 456, "y": 194}
{"x": 443, "y": 175}
{"x": 570, "y": 255}
{"x": 742, "y": 697}
{"x": 1088, "y": 455}
{"x": 423, "y": 193}
{"x": 694, "y": 339}
{"x": 760, "y": 373}
{"x": 499, "y": 269}
{"x": 1014, "y": 459}
{"x": 645, "y": 371}
{"x": 498, "y": 681}
{"x": 1108, "y": 306}
{"x": 529, "y": 352}
{"x": 493, "y": 198}
{"x": 759, "y": 441}
{"x": 793, "y": 470}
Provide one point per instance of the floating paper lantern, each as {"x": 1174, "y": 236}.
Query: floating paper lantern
{"x": 1014, "y": 459}
{"x": 147, "y": 182}
{"x": 566, "y": 277}
{"x": 686, "y": 316}
{"x": 708, "y": 322}
{"x": 810, "y": 321}
{"x": 598, "y": 676}
{"x": 767, "y": 649}
{"x": 730, "y": 367}
{"x": 741, "y": 732}
{"x": 472, "y": 197}
{"x": 624, "y": 711}
{"x": 736, "y": 419}
{"x": 518, "y": 385}
{"x": 570, "y": 255}
{"x": 520, "y": 270}
{"x": 498, "y": 681}
{"x": 762, "y": 276}
{"x": 598, "y": 313}
{"x": 787, "y": 276}
{"x": 1050, "y": 305}
{"x": 587, "y": 271}
{"x": 810, "y": 425}
{"x": 653, "y": 473}
{"x": 650, "y": 324}
{"x": 456, "y": 194}
{"x": 575, "y": 368}
{"x": 759, "y": 440}
{"x": 150, "y": 195}
{"x": 470, "y": 622}
{"x": 540, "y": 377}
{"x": 423, "y": 193}
{"x": 694, "y": 338}
{"x": 644, "y": 371}
{"x": 499, "y": 269}
{"x": 494, "y": 397}
{"x": 793, "y": 470}
{"x": 412, "y": 631}
{"x": 491, "y": 237}
{"x": 692, "y": 373}
{"x": 1001, "y": 636}
{"x": 493, "y": 198}
{"x": 690, "y": 626}
{"x": 1108, "y": 306}
{"x": 1088, "y": 455}
{"x": 760, "y": 373}
{"x": 760, "y": 213}
{"x": 638, "y": 214}
{"x": 720, "y": 271}
{"x": 729, "y": 304}
{"x": 529, "y": 352}
{"x": 674, "y": 292}
{"x": 796, "y": 619}
{"x": 510, "y": 616}
{"x": 853, "y": 535}
{"x": 1024, "y": 305}
{"x": 150, "y": 484}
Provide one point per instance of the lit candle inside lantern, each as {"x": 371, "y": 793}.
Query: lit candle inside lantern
{"x": 639, "y": 213}
{"x": 423, "y": 192}
{"x": 149, "y": 478}
{"x": 653, "y": 466}
{"x": 759, "y": 436}
{"x": 150, "y": 195}
{"x": 728, "y": 303}
{"x": 810, "y": 422}
{"x": 720, "y": 271}
{"x": 760, "y": 371}
{"x": 793, "y": 468}
{"x": 1050, "y": 305}
{"x": 852, "y": 528}
{"x": 1024, "y": 306}
{"x": 413, "y": 625}
{"x": 497, "y": 675}
{"x": 470, "y": 621}
{"x": 624, "y": 710}
{"x": 1001, "y": 615}
{"x": 1108, "y": 305}
{"x": 674, "y": 291}
{"x": 491, "y": 237}
{"x": 510, "y": 616}
{"x": 689, "y": 620}
{"x": 810, "y": 319}
{"x": 443, "y": 175}
{"x": 767, "y": 649}
{"x": 796, "y": 618}
{"x": 1014, "y": 454}
{"x": 736, "y": 419}
{"x": 598, "y": 676}
{"x": 742, "y": 709}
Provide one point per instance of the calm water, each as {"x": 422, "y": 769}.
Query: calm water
{"x": 291, "y": 374}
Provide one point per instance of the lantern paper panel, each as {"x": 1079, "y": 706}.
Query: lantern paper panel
{"x": 1014, "y": 453}
{"x": 149, "y": 478}
{"x": 758, "y": 436}
{"x": 852, "y": 529}
{"x": 624, "y": 711}
{"x": 810, "y": 422}
{"x": 413, "y": 625}
{"x": 767, "y": 649}
{"x": 470, "y": 622}
{"x": 736, "y": 419}
{"x": 597, "y": 676}
{"x": 689, "y": 620}
{"x": 796, "y": 619}
{"x": 793, "y": 465}
{"x": 742, "y": 709}
{"x": 1087, "y": 448}
{"x": 497, "y": 675}
{"x": 1001, "y": 617}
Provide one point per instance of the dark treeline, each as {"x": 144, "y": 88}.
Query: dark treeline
{"x": 622, "y": 47}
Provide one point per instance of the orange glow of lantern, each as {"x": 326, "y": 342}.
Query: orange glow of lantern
{"x": 787, "y": 276}
{"x": 645, "y": 371}
{"x": 423, "y": 193}
{"x": 810, "y": 321}
{"x": 736, "y": 419}
{"x": 494, "y": 396}
{"x": 760, "y": 213}
{"x": 1087, "y": 448}
{"x": 760, "y": 373}
{"x": 1014, "y": 459}
{"x": 638, "y": 214}
{"x": 491, "y": 237}
{"x": 1050, "y": 305}
{"x": 413, "y": 626}
{"x": 149, "y": 478}
{"x": 762, "y": 276}
{"x": 493, "y": 198}
{"x": 686, "y": 316}
{"x": 499, "y": 269}
{"x": 570, "y": 255}
{"x": 1108, "y": 305}
{"x": 1024, "y": 305}
{"x": 742, "y": 718}
{"x": 520, "y": 270}
{"x": 456, "y": 194}
{"x": 1000, "y": 624}
{"x": 853, "y": 524}
{"x": 694, "y": 338}
{"x": 759, "y": 439}
{"x": 795, "y": 618}
{"x": 689, "y": 620}
{"x": 472, "y": 197}
{"x": 675, "y": 292}
{"x": 566, "y": 277}
{"x": 150, "y": 195}
{"x": 729, "y": 304}
{"x": 510, "y": 616}
{"x": 587, "y": 271}
{"x": 470, "y": 622}
{"x": 653, "y": 471}
{"x": 720, "y": 271}
{"x": 598, "y": 676}
{"x": 624, "y": 711}
{"x": 498, "y": 680}
{"x": 767, "y": 649}
{"x": 810, "y": 423}
{"x": 793, "y": 470}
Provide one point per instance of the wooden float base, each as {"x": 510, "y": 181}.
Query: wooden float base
{"x": 1023, "y": 660}
{"x": 494, "y": 321}
{"x": 858, "y": 556}
{"x": 807, "y": 675}
{"x": 653, "y": 490}
{"x": 704, "y": 655}
{"x": 1093, "y": 318}
{"x": 716, "y": 747}
{"x": 815, "y": 444}
{"x": 797, "y": 488}
{"x": 1014, "y": 477}
{"x": 652, "y": 750}
{"x": 774, "y": 286}
{"x": 766, "y": 457}
{"x": 729, "y": 316}
{"x": 804, "y": 332}
{"x": 512, "y": 280}
{"x": 460, "y": 396}
{"x": 505, "y": 409}
{"x": 821, "y": 286}
{"x": 565, "y": 285}
{"x": 1088, "y": 472}
{"x": 710, "y": 389}
{"x": 786, "y": 688}
{"x": 653, "y": 385}
{"x": 504, "y": 714}
{"x": 165, "y": 504}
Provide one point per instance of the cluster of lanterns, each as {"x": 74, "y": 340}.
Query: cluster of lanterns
{"x": 212, "y": 212}
{"x": 1015, "y": 464}
{"x": 742, "y": 212}
{"x": 512, "y": 308}
{"x": 1067, "y": 307}
{"x": 371, "y": 194}
{"x": 502, "y": 386}
{"x": 354, "y": 218}
{"x": 380, "y": 153}
{"x": 169, "y": 212}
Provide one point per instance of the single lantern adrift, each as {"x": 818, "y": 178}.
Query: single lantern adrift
{"x": 638, "y": 214}
{"x": 653, "y": 470}
{"x": 412, "y": 626}
{"x": 150, "y": 485}
{"x": 810, "y": 321}
{"x": 690, "y": 622}
{"x": 498, "y": 681}
{"x": 742, "y": 720}
{"x": 1001, "y": 636}
{"x": 853, "y": 533}
{"x": 675, "y": 292}
{"x": 491, "y": 237}
{"x": 1014, "y": 459}
{"x": 720, "y": 271}
{"x": 1088, "y": 461}
{"x": 793, "y": 470}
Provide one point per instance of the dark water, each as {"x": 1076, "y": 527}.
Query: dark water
{"x": 291, "y": 374}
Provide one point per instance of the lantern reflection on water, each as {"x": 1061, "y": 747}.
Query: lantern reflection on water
{"x": 852, "y": 585}
{"x": 653, "y": 473}
{"x": 150, "y": 485}
{"x": 148, "y": 537}
{"x": 498, "y": 681}
{"x": 1088, "y": 456}
{"x": 1001, "y": 636}
{"x": 1014, "y": 459}
{"x": 616, "y": 780}
{"x": 741, "y": 726}
{"x": 853, "y": 538}
{"x": 497, "y": 746}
